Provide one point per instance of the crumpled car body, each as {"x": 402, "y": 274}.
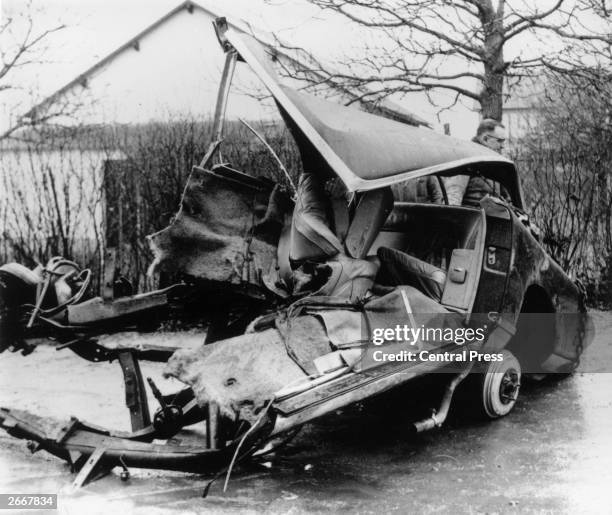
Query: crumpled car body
{"x": 319, "y": 274}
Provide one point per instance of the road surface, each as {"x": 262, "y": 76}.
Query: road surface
{"x": 552, "y": 454}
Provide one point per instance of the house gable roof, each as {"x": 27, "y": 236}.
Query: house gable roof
{"x": 384, "y": 108}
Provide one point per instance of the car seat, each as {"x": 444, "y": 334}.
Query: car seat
{"x": 313, "y": 240}
{"x": 400, "y": 268}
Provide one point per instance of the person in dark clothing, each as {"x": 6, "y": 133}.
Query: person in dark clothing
{"x": 478, "y": 187}
{"x": 491, "y": 134}
{"x": 469, "y": 190}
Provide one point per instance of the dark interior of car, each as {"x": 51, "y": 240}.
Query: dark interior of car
{"x": 431, "y": 247}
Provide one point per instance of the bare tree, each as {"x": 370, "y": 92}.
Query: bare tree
{"x": 566, "y": 175}
{"x": 24, "y": 44}
{"x": 469, "y": 48}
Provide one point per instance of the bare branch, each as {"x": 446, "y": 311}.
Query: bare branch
{"x": 529, "y": 19}
{"x": 23, "y": 45}
{"x": 28, "y": 45}
{"x": 421, "y": 38}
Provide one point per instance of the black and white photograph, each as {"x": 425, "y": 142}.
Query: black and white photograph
{"x": 306, "y": 256}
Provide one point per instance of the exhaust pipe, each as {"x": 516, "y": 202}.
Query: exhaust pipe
{"x": 438, "y": 417}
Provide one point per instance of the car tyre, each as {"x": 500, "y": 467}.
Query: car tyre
{"x": 498, "y": 386}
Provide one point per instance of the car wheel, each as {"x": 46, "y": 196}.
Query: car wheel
{"x": 499, "y": 383}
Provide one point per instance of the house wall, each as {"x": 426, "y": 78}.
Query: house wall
{"x": 519, "y": 121}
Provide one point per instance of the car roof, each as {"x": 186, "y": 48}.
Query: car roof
{"x": 365, "y": 150}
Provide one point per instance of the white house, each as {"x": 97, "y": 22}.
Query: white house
{"x": 521, "y": 109}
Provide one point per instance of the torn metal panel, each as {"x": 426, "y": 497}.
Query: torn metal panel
{"x": 239, "y": 374}
{"x": 226, "y": 230}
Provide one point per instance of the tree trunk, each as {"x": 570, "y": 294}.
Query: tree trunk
{"x": 491, "y": 96}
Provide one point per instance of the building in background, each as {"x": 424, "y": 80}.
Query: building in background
{"x": 163, "y": 79}
{"x": 520, "y": 109}
{"x": 171, "y": 69}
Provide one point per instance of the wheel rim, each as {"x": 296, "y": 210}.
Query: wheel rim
{"x": 509, "y": 386}
{"x": 500, "y": 386}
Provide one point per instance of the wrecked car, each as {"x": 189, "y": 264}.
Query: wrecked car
{"x": 313, "y": 275}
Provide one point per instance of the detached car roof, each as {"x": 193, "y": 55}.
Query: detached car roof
{"x": 365, "y": 150}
